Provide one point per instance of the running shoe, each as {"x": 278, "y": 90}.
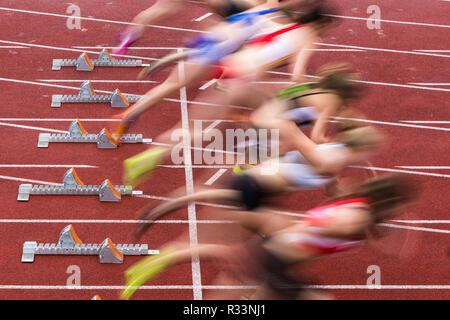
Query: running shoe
{"x": 144, "y": 271}
{"x": 127, "y": 38}
{"x": 138, "y": 167}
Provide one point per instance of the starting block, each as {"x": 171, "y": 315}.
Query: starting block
{"x": 72, "y": 185}
{"x": 83, "y": 63}
{"x": 70, "y": 244}
{"x": 88, "y": 95}
{"x": 77, "y": 134}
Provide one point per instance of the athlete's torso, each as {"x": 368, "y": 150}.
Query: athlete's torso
{"x": 306, "y": 236}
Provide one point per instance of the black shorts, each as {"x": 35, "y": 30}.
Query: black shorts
{"x": 252, "y": 194}
{"x": 272, "y": 272}
{"x": 230, "y": 7}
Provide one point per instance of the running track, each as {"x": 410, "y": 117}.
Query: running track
{"x": 407, "y": 93}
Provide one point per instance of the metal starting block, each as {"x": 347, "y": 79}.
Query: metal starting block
{"x": 88, "y": 95}
{"x": 70, "y": 244}
{"x": 72, "y": 185}
{"x": 83, "y": 63}
{"x": 78, "y": 134}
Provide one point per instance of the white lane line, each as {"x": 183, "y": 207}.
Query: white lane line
{"x": 110, "y": 92}
{"x": 208, "y": 84}
{"x": 390, "y": 225}
{"x": 336, "y": 50}
{"x": 383, "y": 50}
{"x": 30, "y": 127}
{"x": 112, "y": 221}
{"x": 223, "y": 287}
{"x": 404, "y": 171}
{"x": 179, "y": 221}
{"x": 381, "y": 287}
{"x": 209, "y": 104}
{"x": 176, "y": 166}
{"x": 448, "y": 51}
{"x": 28, "y": 180}
{"x": 203, "y": 17}
{"x": 99, "y": 221}
{"x": 202, "y": 31}
{"x": 98, "y": 81}
{"x": 192, "y": 148}
{"x": 205, "y": 204}
{"x": 216, "y": 176}
{"x": 44, "y": 84}
{"x": 71, "y": 49}
{"x": 46, "y": 166}
{"x": 428, "y": 122}
{"x": 393, "y": 123}
{"x": 425, "y": 167}
{"x": 195, "y": 259}
{"x": 391, "y": 21}
{"x": 13, "y": 47}
{"x": 401, "y": 85}
{"x": 423, "y": 221}
{"x": 430, "y": 83}
{"x": 57, "y": 120}
{"x": 98, "y": 20}
{"x": 377, "y": 83}
{"x": 121, "y": 287}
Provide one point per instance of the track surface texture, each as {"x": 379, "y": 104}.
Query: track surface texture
{"x": 406, "y": 94}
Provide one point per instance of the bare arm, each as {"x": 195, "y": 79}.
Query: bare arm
{"x": 261, "y": 222}
{"x": 318, "y": 131}
{"x": 301, "y": 62}
{"x": 306, "y": 146}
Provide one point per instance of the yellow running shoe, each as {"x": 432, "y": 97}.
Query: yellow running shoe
{"x": 237, "y": 170}
{"x": 144, "y": 271}
{"x": 137, "y": 168}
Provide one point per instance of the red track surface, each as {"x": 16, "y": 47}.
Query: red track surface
{"x": 406, "y": 257}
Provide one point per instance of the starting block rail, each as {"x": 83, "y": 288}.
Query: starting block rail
{"x": 70, "y": 244}
{"x": 77, "y": 134}
{"x": 83, "y": 63}
{"x": 88, "y": 95}
{"x": 72, "y": 185}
